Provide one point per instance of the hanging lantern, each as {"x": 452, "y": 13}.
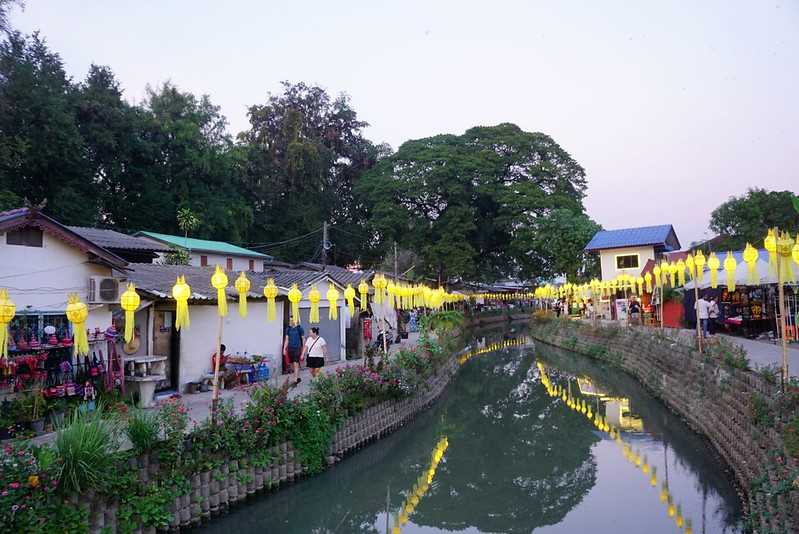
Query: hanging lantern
{"x": 689, "y": 264}
{"x": 713, "y": 265}
{"x": 242, "y": 285}
{"x": 699, "y": 262}
{"x": 129, "y": 300}
{"x": 363, "y": 290}
{"x": 349, "y": 296}
{"x": 795, "y": 250}
{"x": 295, "y": 296}
{"x": 664, "y": 269}
{"x": 680, "y": 272}
{"x": 770, "y": 244}
{"x": 640, "y": 282}
{"x": 379, "y": 283}
{"x": 270, "y": 292}
{"x": 314, "y": 297}
{"x": 219, "y": 281}
{"x": 181, "y": 292}
{"x": 332, "y": 302}
{"x": 751, "y": 255}
{"x": 784, "y": 246}
{"x": 391, "y": 290}
{"x": 77, "y": 313}
{"x": 673, "y": 274}
{"x": 730, "y": 266}
{"x": 656, "y": 271}
{"x": 7, "y": 312}
{"x": 648, "y": 280}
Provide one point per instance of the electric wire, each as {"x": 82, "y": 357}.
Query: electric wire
{"x": 285, "y": 241}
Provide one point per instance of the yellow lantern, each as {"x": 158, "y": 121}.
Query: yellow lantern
{"x": 713, "y": 265}
{"x": 751, "y": 255}
{"x": 656, "y": 271}
{"x": 795, "y": 250}
{"x": 648, "y": 280}
{"x": 689, "y": 264}
{"x": 314, "y": 297}
{"x": 379, "y": 283}
{"x": 242, "y": 285}
{"x": 219, "y": 281}
{"x": 129, "y": 300}
{"x": 699, "y": 261}
{"x": 673, "y": 274}
{"x": 680, "y": 272}
{"x": 730, "y": 266}
{"x": 349, "y": 296}
{"x": 363, "y": 290}
{"x": 77, "y": 313}
{"x": 640, "y": 282}
{"x": 181, "y": 292}
{"x": 295, "y": 296}
{"x": 270, "y": 292}
{"x": 784, "y": 246}
{"x": 770, "y": 244}
{"x": 332, "y": 302}
{"x": 664, "y": 269}
{"x": 391, "y": 289}
{"x": 7, "y": 312}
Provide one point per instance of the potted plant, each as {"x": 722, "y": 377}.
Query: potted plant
{"x": 33, "y": 409}
{"x": 57, "y": 409}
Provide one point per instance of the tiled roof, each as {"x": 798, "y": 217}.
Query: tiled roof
{"x": 659, "y": 236}
{"x": 12, "y": 214}
{"x": 341, "y": 275}
{"x": 203, "y": 245}
{"x": 117, "y": 240}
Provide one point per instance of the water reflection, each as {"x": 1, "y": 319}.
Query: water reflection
{"x": 516, "y": 459}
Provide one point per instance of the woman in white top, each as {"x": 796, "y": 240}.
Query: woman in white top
{"x": 315, "y": 350}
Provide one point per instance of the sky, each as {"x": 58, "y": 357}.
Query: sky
{"x": 671, "y": 107}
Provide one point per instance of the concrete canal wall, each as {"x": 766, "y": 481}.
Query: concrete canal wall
{"x": 715, "y": 398}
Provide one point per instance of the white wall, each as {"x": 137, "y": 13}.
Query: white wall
{"x": 324, "y": 310}
{"x": 240, "y": 263}
{"x": 607, "y": 260}
{"x": 39, "y": 279}
{"x": 254, "y": 335}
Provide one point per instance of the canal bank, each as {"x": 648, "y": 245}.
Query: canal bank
{"x": 741, "y": 412}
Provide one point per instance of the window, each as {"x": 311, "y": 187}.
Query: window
{"x": 203, "y": 261}
{"x": 230, "y": 264}
{"x": 252, "y": 265}
{"x": 627, "y": 261}
{"x": 26, "y": 237}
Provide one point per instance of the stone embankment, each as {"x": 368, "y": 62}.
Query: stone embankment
{"x": 717, "y": 399}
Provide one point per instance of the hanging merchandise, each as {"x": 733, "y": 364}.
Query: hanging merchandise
{"x": 242, "y": 285}
{"x": 181, "y": 292}
{"x": 363, "y": 290}
{"x": 129, "y": 301}
{"x": 770, "y": 244}
{"x": 270, "y": 292}
{"x": 689, "y": 264}
{"x": 349, "y": 296}
{"x": 314, "y": 297}
{"x": 332, "y": 302}
{"x": 680, "y": 272}
{"x": 7, "y": 311}
{"x": 648, "y": 280}
{"x": 295, "y": 296}
{"x": 751, "y": 256}
{"x": 699, "y": 262}
{"x": 77, "y": 313}
{"x": 713, "y": 265}
{"x": 730, "y": 266}
{"x": 219, "y": 281}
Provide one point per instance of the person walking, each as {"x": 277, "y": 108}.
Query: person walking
{"x": 315, "y": 350}
{"x": 635, "y": 312}
{"x": 293, "y": 341}
{"x": 702, "y": 314}
{"x": 712, "y": 316}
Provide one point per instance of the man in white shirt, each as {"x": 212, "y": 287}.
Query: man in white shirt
{"x": 315, "y": 349}
{"x": 702, "y": 314}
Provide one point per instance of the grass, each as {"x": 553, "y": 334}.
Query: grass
{"x": 88, "y": 449}
{"x": 142, "y": 430}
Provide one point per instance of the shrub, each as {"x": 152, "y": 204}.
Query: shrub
{"x": 762, "y": 415}
{"x": 87, "y": 449}
{"x": 791, "y": 436}
{"x": 142, "y": 430}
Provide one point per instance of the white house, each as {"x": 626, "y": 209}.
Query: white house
{"x": 43, "y": 262}
{"x": 204, "y": 252}
{"x": 627, "y": 251}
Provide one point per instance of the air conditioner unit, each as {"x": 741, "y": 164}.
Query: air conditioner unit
{"x": 103, "y": 290}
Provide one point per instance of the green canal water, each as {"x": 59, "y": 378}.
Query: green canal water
{"x": 499, "y": 452}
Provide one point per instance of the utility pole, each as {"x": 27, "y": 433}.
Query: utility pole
{"x": 324, "y": 245}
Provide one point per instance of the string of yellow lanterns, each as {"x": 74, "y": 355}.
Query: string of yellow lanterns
{"x": 421, "y": 486}
{"x": 7, "y": 312}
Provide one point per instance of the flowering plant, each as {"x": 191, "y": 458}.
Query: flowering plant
{"x": 24, "y": 487}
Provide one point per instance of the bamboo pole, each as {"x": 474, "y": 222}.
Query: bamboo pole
{"x": 781, "y": 310}
{"x": 696, "y": 314}
{"x": 215, "y": 397}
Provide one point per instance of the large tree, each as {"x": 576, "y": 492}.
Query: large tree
{"x": 495, "y": 201}
{"x": 747, "y": 218}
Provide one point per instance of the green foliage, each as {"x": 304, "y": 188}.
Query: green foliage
{"x": 176, "y": 256}
{"x": 446, "y": 320}
{"x": 146, "y": 506}
{"x": 311, "y": 432}
{"x": 762, "y": 414}
{"x": 747, "y": 218}
{"x": 730, "y": 353}
{"x": 142, "y": 430}
{"x": 173, "y": 419}
{"x": 87, "y": 448}
{"x": 791, "y": 436}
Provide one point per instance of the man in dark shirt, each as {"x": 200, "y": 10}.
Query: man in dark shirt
{"x": 293, "y": 341}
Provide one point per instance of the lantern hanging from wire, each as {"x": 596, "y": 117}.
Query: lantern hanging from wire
{"x": 7, "y": 312}
{"x": 699, "y": 262}
{"x": 363, "y": 291}
{"x": 664, "y": 269}
{"x": 270, "y": 292}
{"x": 640, "y": 282}
{"x": 673, "y": 274}
{"x": 391, "y": 291}
{"x": 332, "y": 302}
{"x": 242, "y": 286}
{"x": 750, "y": 256}
{"x": 795, "y": 250}
{"x": 689, "y": 264}
{"x": 379, "y": 283}
{"x": 656, "y": 271}
{"x": 730, "y": 266}
{"x": 770, "y": 244}
{"x": 648, "y": 280}
{"x": 680, "y": 272}
{"x": 784, "y": 246}
{"x": 219, "y": 281}
{"x": 129, "y": 300}
{"x": 295, "y": 296}
{"x": 77, "y": 313}
{"x": 181, "y": 292}
{"x": 713, "y": 265}
{"x": 349, "y": 296}
{"x": 314, "y": 297}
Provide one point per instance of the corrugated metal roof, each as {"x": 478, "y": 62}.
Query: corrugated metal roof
{"x": 113, "y": 239}
{"x": 341, "y": 275}
{"x": 635, "y": 237}
{"x": 204, "y": 245}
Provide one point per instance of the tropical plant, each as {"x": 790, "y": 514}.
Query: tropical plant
{"x": 142, "y": 430}
{"x": 87, "y": 449}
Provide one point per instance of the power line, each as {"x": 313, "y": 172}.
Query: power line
{"x": 286, "y": 241}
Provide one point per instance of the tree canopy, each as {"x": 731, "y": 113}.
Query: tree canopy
{"x": 747, "y": 218}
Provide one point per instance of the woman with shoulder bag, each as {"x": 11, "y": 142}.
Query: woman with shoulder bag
{"x": 315, "y": 350}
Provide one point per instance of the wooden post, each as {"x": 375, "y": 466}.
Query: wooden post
{"x": 781, "y": 319}
{"x": 215, "y": 397}
{"x": 696, "y": 313}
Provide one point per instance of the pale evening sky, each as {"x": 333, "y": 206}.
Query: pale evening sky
{"x": 671, "y": 107}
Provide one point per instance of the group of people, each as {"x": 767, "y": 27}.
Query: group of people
{"x": 707, "y": 311}
{"x": 297, "y": 347}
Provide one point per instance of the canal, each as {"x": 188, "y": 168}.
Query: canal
{"x": 524, "y": 439}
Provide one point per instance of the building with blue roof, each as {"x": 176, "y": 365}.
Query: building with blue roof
{"x": 627, "y": 250}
